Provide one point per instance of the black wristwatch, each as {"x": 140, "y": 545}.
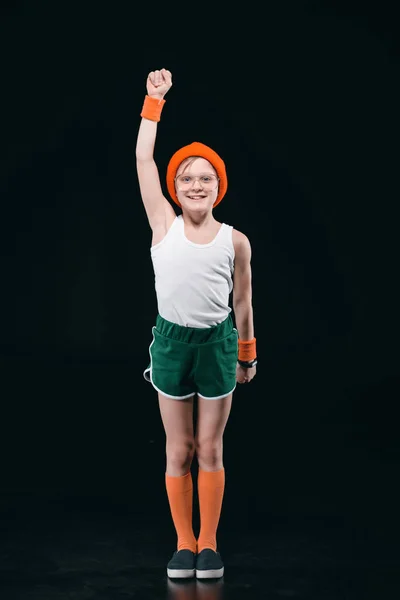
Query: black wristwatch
{"x": 247, "y": 364}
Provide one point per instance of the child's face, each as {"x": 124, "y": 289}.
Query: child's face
{"x": 196, "y": 184}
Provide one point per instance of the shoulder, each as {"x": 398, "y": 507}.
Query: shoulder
{"x": 241, "y": 244}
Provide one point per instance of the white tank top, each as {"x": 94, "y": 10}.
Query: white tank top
{"x": 193, "y": 281}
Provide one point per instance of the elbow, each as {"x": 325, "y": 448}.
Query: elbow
{"x": 144, "y": 153}
{"x": 242, "y": 303}
{"x": 141, "y": 153}
{"x": 142, "y": 158}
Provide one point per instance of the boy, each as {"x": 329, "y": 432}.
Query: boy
{"x": 197, "y": 262}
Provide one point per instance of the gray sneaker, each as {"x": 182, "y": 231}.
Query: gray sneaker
{"x": 182, "y": 565}
{"x": 209, "y": 565}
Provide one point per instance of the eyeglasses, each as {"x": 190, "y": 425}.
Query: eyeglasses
{"x": 208, "y": 181}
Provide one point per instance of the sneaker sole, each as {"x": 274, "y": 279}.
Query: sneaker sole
{"x": 210, "y": 574}
{"x": 181, "y": 573}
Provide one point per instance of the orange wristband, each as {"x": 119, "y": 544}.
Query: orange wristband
{"x": 152, "y": 108}
{"x": 247, "y": 350}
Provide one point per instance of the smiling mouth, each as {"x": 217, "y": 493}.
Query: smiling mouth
{"x": 196, "y": 197}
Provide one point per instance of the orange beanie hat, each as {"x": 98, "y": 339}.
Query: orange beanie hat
{"x": 197, "y": 149}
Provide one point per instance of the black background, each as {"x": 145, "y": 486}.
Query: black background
{"x": 301, "y": 100}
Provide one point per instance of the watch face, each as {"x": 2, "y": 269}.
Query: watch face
{"x": 248, "y": 364}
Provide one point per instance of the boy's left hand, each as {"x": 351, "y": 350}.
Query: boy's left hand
{"x": 244, "y": 375}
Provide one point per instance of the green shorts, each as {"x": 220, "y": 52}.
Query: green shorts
{"x": 185, "y": 361}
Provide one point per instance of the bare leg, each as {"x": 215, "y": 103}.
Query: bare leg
{"x": 177, "y": 418}
{"x": 212, "y": 418}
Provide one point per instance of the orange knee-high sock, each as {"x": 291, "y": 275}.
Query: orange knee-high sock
{"x": 210, "y": 485}
{"x": 180, "y": 497}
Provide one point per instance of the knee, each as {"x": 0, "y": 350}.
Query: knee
{"x": 179, "y": 456}
{"x": 209, "y": 453}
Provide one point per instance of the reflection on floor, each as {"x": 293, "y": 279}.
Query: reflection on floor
{"x": 53, "y": 551}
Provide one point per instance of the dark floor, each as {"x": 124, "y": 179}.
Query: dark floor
{"x": 310, "y": 510}
{"x": 54, "y": 548}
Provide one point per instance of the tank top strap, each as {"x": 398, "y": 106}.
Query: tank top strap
{"x": 225, "y": 234}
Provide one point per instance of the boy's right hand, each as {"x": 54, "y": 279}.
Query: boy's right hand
{"x": 158, "y": 83}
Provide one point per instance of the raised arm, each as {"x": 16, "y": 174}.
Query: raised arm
{"x": 159, "y": 211}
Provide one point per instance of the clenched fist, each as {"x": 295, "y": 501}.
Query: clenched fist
{"x": 158, "y": 83}
{"x": 245, "y": 375}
